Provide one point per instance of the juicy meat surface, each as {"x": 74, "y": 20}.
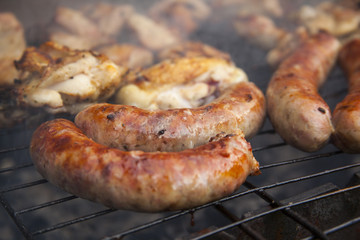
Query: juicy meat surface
{"x": 64, "y": 80}
{"x": 181, "y": 16}
{"x": 151, "y": 34}
{"x": 259, "y": 29}
{"x": 12, "y": 45}
{"x": 189, "y": 49}
{"x": 331, "y": 17}
{"x": 179, "y": 83}
{"x": 346, "y": 116}
{"x": 295, "y": 108}
{"x": 181, "y": 115}
{"x": 128, "y": 55}
{"x": 136, "y": 180}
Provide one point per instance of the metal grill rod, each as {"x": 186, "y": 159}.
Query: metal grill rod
{"x": 248, "y": 230}
{"x": 303, "y": 159}
{"x": 13, "y": 149}
{"x": 19, "y": 223}
{"x": 76, "y": 220}
{"x": 17, "y": 167}
{"x": 47, "y": 204}
{"x": 235, "y": 224}
{"x": 337, "y": 228}
{"x": 21, "y": 186}
{"x": 288, "y": 212}
{"x": 269, "y": 146}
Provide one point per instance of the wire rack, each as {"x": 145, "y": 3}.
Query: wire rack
{"x": 298, "y": 195}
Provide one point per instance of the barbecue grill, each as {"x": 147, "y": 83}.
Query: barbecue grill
{"x": 298, "y": 195}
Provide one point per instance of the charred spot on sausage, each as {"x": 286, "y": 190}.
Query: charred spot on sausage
{"x": 230, "y": 135}
{"x": 110, "y": 117}
{"x": 289, "y": 75}
{"x": 141, "y": 78}
{"x": 161, "y": 132}
{"x": 320, "y": 109}
{"x": 249, "y": 98}
{"x": 106, "y": 171}
{"x": 58, "y": 60}
{"x": 208, "y": 108}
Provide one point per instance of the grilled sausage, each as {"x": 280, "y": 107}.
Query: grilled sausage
{"x": 240, "y": 107}
{"x": 347, "y": 113}
{"x": 136, "y": 180}
{"x": 296, "y": 110}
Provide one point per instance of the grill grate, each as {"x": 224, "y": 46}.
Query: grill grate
{"x": 298, "y": 195}
{"x": 224, "y": 206}
{"x": 286, "y": 172}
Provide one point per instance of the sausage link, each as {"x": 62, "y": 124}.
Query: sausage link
{"x": 137, "y": 180}
{"x": 295, "y": 108}
{"x": 240, "y": 107}
{"x": 347, "y": 113}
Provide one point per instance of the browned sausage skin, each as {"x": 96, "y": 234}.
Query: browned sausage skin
{"x": 296, "y": 110}
{"x": 346, "y": 116}
{"x": 240, "y": 107}
{"x": 137, "y": 180}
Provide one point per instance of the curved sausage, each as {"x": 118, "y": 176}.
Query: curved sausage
{"x": 296, "y": 110}
{"x": 347, "y": 113}
{"x": 240, "y": 107}
{"x": 136, "y": 180}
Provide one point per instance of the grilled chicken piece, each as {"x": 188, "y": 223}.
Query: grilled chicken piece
{"x": 128, "y": 55}
{"x": 150, "y": 34}
{"x": 73, "y": 29}
{"x": 259, "y": 29}
{"x": 263, "y": 7}
{"x": 192, "y": 49}
{"x": 183, "y": 16}
{"x": 64, "y": 80}
{"x": 352, "y": 4}
{"x": 74, "y": 41}
{"x": 109, "y": 18}
{"x": 331, "y": 17}
{"x": 76, "y": 22}
{"x": 12, "y": 45}
{"x": 286, "y": 46}
{"x": 179, "y": 83}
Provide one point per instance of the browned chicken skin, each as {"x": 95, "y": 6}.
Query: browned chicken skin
{"x": 259, "y": 29}
{"x": 183, "y": 17}
{"x": 151, "y": 34}
{"x": 331, "y": 17}
{"x": 128, "y": 55}
{"x": 192, "y": 49}
{"x": 64, "y": 80}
